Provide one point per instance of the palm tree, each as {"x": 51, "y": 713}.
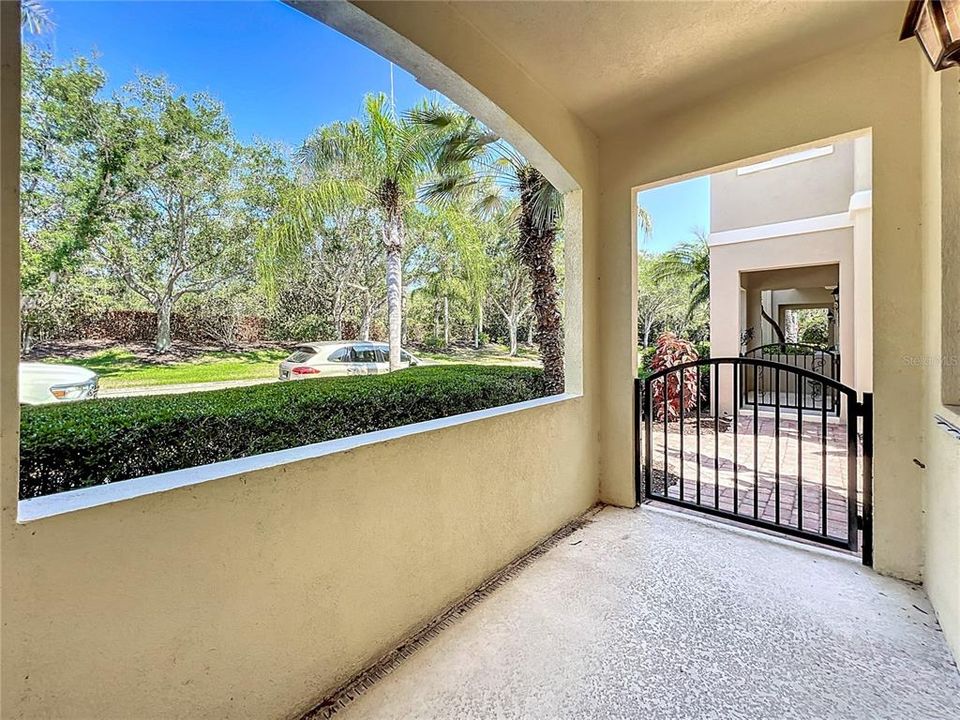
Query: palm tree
{"x": 688, "y": 262}
{"x": 473, "y": 162}
{"x": 35, "y": 17}
{"x": 377, "y": 161}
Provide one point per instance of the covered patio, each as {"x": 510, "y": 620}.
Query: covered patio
{"x": 651, "y": 614}
{"x": 257, "y": 589}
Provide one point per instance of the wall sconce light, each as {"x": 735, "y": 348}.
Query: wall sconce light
{"x": 936, "y": 24}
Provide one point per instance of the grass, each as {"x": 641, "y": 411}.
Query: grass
{"x": 489, "y": 354}
{"x": 120, "y": 368}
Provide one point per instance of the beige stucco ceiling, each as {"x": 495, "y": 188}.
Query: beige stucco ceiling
{"x": 613, "y": 63}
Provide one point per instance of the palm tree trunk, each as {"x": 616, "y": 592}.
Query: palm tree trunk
{"x": 393, "y": 239}
{"x": 536, "y": 253}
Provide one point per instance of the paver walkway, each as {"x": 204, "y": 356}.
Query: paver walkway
{"x": 767, "y": 470}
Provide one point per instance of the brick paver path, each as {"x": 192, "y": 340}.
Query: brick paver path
{"x": 820, "y": 470}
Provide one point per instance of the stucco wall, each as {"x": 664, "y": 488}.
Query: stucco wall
{"x": 250, "y": 595}
{"x": 804, "y": 189}
{"x": 941, "y": 331}
{"x": 815, "y": 258}
{"x": 834, "y": 95}
{"x": 807, "y": 260}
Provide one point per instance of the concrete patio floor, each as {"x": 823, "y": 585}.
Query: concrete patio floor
{"x": 649, "y": 614}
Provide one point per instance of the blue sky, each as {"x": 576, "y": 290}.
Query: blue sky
{"x": 279, "y": 73}
{"x": 676, "y": 209}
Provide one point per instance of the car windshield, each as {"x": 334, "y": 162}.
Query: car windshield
{"x": 301, "y": 354}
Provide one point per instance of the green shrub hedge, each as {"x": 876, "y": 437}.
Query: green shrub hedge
{"x": 63, "y": 447}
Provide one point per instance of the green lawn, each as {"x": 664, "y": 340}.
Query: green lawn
{"x": 490, "y": 354}
{"x": 119, "y": 368}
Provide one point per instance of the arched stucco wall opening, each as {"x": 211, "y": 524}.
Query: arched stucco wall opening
{"x": 294, "y": 560}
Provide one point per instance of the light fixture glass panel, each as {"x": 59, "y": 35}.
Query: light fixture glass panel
{"x": 951, "y": 11}
{"x": 928, "y": 34}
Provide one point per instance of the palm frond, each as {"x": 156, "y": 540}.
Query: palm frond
{"x": 35, "y": 17}
{"x": 689, "y": 264}
{"x": 298, "y": 221}
{"x": 644, "y": 222}
{"x": 545, "y": 202}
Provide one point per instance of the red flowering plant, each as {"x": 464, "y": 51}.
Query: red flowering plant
{"x": 672, "y": 351}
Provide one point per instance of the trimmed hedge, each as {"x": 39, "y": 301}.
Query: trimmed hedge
{"x": 69, "y": 446}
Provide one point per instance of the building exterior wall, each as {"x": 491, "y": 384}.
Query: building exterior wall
{"x": 840, "y": 94}
{"x": 249, "y": 596}
{"x": 817, "y": 257}
{"x": 833, "y": 188}
{"x": 807, "y": 188}
{"x": 939, "y": 355}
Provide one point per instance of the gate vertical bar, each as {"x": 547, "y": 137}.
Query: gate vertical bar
{"x": 756, "y": 449}
{"x": 681, "y": 376}
{"x": 716, "y": 436}
{"x": 776, "y": 446}
{"x": 854, "y": 411}
{"x": 800, "y": 460}
{"x": 639, "y": 436}
{"x": 823, "y": 467}
{"x": 736, "y": 422}
{"x": 664, "y": 389}
{"x": 698, "y": 434}
{"x": 866, "y": 550}
{"x": 647, "y": 435}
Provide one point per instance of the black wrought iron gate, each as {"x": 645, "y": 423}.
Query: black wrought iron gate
{"x": 708, "y": 440}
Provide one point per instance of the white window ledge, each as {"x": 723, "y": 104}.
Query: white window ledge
{"x": 786, "y": 160}
{"x": 803, "y": 226}
{"x": 73, "y": 500}
{"x": 949, "y": 421}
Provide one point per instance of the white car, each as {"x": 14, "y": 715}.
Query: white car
{"x": 331, "y": 359}
{"x": 42, "y": 383}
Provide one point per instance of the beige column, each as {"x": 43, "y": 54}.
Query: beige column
{"x": 726, "y": 310}
{"x": 861, "y": 213}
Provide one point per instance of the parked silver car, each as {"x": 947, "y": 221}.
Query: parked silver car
{"x": 42, "y": 383}
{"x": 331, "y": 359}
